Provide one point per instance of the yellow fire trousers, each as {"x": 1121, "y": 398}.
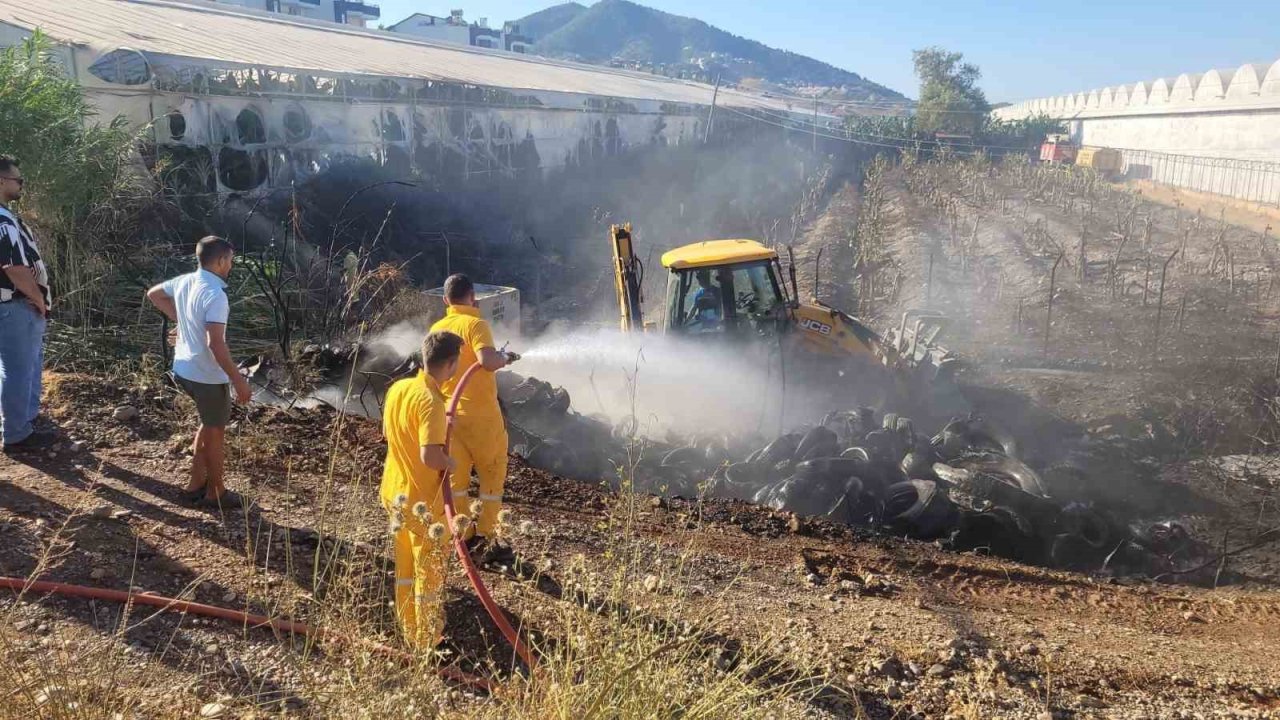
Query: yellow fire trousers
{"x": 420, "y": 574}
{"x": 480, "y": 442}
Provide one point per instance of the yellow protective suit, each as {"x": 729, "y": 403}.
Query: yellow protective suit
{"x": 413, "y": 416}
{"x": 479, "y": 433}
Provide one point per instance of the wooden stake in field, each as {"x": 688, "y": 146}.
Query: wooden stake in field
{"x": 1275, "y": 372}
{"x": 1155, "y": 344}
{"x": 1084, "y": 261}
{"x": 928, "y": 287}
{"x": 1048, "y": 318}
{"x": 1115, "y": 263}
{"x": 1146, "y": 279}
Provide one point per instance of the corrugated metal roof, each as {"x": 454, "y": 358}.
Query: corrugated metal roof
{"x": 230, "y": 34}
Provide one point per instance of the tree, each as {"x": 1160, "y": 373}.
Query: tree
{"x": 74, "y": 168}
{"x": 950, "y": 99}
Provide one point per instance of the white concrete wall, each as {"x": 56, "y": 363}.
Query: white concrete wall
{"x": 1251, "y": 135}
{"x": 1217, "y": 130}
{"x": 1217, "y": 113}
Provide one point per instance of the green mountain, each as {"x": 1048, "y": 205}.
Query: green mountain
{"x": 622, "y": 33}
{"x": 545, "y": 22}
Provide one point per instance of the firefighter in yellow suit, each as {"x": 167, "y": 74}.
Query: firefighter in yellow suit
{"x": 480, "y": 434}
{"x": 413, "y": 420}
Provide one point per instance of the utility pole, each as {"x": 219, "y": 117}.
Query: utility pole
{"x": 706, "y": 134}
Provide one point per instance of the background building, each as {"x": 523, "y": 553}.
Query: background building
{"x": 348, "y": 12}
{"x": 455, "y": 29}
{"x": 248, "y": 99}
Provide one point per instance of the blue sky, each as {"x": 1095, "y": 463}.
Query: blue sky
{"x": 1025, "y": 49}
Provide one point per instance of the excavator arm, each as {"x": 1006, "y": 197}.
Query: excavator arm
{"x": 628, "y": 276}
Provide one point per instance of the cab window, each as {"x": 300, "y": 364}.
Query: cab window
{"x": 723, "y": 298}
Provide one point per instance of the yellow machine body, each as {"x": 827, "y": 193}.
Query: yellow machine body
{"x": 1104, "y": 160}
{"x": 627, "y": 278}
{"x": 735, "y": 290}
{"x": 752, "y": 271}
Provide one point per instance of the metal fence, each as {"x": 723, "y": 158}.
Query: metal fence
{"x": 1252, "y": 180}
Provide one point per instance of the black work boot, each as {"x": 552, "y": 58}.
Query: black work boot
{"x": 485, "y": 551}
{"x": 36, "y": 441}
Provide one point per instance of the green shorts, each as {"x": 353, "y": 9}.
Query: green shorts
{"x": 213, "y": 402}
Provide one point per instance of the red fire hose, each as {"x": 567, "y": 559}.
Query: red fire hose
{"x": 460, "y": 546}
{"x": 237, "y": 616}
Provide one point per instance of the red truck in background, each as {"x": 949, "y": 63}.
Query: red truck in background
{"x": 1058, "y": 150}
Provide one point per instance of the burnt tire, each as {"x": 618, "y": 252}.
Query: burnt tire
{"x": 998, "y": 530}
{"x": 1087, "y": 524}
{"x": 906, "y": 429}
{"x": 781, "y": 449}
{"x": 852, "y": 506}
{"x": 919, "y": 508}
{"x": 918, "y": 465}
{"x": 857, "y": 452}
{"x": 684, "y": 457}
{"x": 1067, "y": 482}
{"x": 835, "y": 468}
{"x": 767, "y": 494}
{"x": 818, "y": 442}
{"x": 553, "y": 456}
{"x": 1070, "y": 551}
{"x": 883, "y": 446}
{"x": 742, "y": 481}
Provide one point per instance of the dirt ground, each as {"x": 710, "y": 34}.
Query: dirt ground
{"x": 897, "y": 628}
{"x": 906, "y": 627}
{"x": 1249, "y": 215}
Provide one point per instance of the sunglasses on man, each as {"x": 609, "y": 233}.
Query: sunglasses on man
{"x": 21, "y": 181}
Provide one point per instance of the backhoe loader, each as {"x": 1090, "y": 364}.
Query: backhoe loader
{"x": 735, "y": 291}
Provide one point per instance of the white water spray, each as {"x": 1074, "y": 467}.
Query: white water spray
{"x": 672, "y": 384}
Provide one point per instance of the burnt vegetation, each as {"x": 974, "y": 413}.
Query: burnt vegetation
{"x": 1120, "y": 412}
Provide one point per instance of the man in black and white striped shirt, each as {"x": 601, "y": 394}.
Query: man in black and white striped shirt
{"x": 25, "y": 300}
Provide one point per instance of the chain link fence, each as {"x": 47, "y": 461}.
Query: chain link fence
{"x": 1252, "y": 180}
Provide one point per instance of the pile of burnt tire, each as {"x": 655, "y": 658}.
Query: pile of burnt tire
{"x": 544, "y": 430}
{"x": 965, "y": 488}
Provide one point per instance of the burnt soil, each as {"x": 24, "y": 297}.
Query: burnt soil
{"x": 980, "y": 632}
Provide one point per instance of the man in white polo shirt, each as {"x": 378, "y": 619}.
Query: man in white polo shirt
{"x": 202, "y": 365}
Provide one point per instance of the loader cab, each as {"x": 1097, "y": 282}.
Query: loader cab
{"x": 724, "y": 287}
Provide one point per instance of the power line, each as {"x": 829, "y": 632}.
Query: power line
{"x": 975, "y": 148}
{"x": 809, "y": 125}
{"x": 855, "y": 138}
{"x": 850, "y": 136}
{"x": 885, "y": 104}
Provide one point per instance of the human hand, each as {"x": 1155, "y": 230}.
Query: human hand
{"x": 450, "y": 464}
{"x": 173, "y": 337}
{"x": 39, "y": 306}
{"x": 243, "y": 391}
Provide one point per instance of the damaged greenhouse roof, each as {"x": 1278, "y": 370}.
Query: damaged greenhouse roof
{"x": 236, "y": 36}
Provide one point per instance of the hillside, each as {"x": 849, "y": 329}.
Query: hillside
{"x": 544, "y": 22}
{"x": 623, "y": 33}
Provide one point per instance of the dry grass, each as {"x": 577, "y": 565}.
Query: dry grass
{"x": 629, "y": 639}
